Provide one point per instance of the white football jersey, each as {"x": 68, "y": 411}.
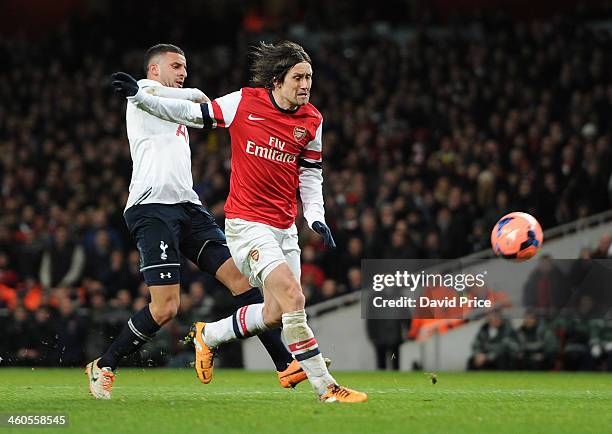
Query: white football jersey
{"x": 161, "y": 158}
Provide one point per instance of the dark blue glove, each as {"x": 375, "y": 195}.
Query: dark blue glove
{"x": 323, "y": 230}
{"x": 124, "y": 84}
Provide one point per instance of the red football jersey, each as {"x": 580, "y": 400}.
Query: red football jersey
{"x": 267, "y": 144}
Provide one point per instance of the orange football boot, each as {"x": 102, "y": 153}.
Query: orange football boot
{"x": 337, "y": 393}
{"x": 294, "y": 374}
{"x": 203, "y": 354}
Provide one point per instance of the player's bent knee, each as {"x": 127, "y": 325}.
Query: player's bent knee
{"x": 162, "y": 313}
{"x": 165, "y": 301}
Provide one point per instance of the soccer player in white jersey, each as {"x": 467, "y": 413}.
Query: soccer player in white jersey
{"x": 276, "y": 139}
{"x": 166, "y": 219}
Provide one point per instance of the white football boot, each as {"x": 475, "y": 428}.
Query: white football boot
{"x": 100, "y": 380}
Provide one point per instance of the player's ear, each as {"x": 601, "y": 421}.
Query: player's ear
{"x": 153, "y": 69}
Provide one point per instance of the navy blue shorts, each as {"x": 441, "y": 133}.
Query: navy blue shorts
{"x": 164, "y": 232}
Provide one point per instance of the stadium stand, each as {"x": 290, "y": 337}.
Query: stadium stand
{"x": 428, "y": 140}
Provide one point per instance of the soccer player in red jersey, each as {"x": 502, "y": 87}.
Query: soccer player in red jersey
{"x": 276, "y": 139}
{"x": 167, "y": 220}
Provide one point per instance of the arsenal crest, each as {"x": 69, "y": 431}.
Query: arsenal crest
{"x": 299, "y": 133}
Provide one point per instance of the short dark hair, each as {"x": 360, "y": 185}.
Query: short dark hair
{"x": 272, "y": 62}
{"x": 159, "y": 49}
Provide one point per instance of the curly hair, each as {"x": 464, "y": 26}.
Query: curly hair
{"x": 272, "y": 62}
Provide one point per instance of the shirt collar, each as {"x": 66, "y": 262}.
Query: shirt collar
{"x": 278, "y": 107}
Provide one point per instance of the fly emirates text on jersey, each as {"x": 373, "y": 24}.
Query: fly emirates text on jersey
{"x": 275, "y": 152}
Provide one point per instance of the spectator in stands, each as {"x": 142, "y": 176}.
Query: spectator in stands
{"x": 99, "y": 257}
{"x": 352, "y": 258}
{"x": 134, "y": 279}
{"x": 353, "y": 279}
{"x": 495, "y": 346}
{"x": 386, "y": 335}
{"x": 71, "y": 331}
{"x": 202, "y": 302}
{"x": 538, "y": 345}
{"x": 600, "y": 342}
{"x": 118, "y": 276}
{"x": 99, "y": 328}
{"x": 21, "y": 338}
{"x": 312, "y": 275}
{"x": 62, "y": 262}
{"x": 28, "y": 255}
{"x": 99, "y": 224}
{"x": 590, "y": 280}
{"x": 368, "y": 235}
{"x": 575, "y": 352}
{"x": 547, "y": 289}
{"x": 44, "y": 337}
{"x": 603, "y": 250}
{"x": 329, "y": 289}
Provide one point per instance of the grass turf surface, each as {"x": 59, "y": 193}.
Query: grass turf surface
{"x": 173, "y": 401}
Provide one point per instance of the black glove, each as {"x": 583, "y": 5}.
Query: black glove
{"x": 124, "y": 84}
{"x": 323, "y": 230}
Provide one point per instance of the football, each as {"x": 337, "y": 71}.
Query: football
{"x": 517, "y": 236}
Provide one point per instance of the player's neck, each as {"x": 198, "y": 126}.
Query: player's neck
{"x": 283, "y": 103}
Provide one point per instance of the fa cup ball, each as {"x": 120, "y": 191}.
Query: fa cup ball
{"x": 517, "y": 236}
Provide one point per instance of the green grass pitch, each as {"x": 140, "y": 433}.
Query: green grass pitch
{"x": 173, "y": 401}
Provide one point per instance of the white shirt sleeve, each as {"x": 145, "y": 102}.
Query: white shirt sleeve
{"x": 156, "y": 88}
{"x": 311, "y": 180}
{"x": 173, "y": 110}
{"x": 187, "y": 93}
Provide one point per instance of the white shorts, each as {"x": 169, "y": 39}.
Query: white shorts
{"x": 257, "y": 248}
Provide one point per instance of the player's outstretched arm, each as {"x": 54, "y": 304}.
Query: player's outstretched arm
{"x": 186, "y": 93}
{"x": 173, "y": 110}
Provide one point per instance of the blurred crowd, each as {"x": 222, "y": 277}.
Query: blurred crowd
{"x": 565, "y": 342}
{"x": 428, "y": 140}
